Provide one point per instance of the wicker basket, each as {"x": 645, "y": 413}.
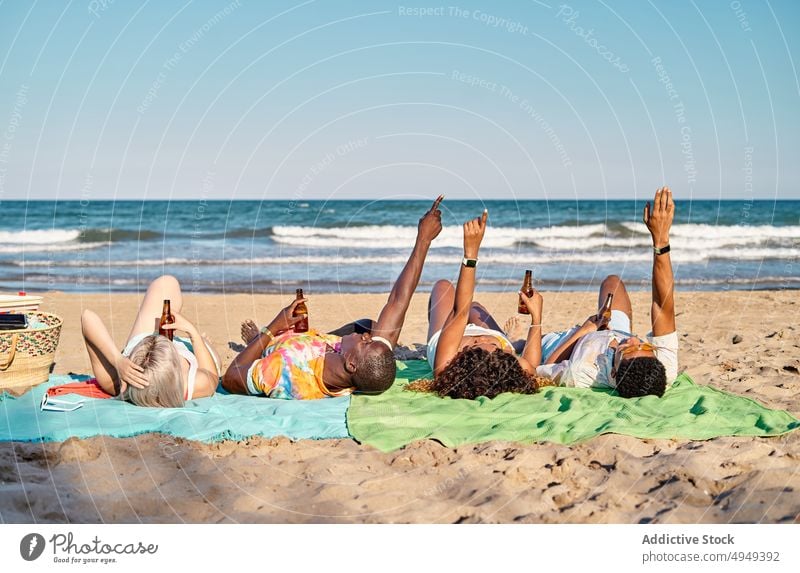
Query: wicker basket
{"x": 26, "y": 356}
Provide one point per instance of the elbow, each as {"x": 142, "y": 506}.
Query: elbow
{"x": 86, "y": 316}
{"x": 232, "y": 381}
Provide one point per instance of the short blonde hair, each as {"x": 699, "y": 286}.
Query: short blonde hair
{"x": 162, "y": 367}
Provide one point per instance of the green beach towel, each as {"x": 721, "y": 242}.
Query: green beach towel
{"x": 563, "y": 415}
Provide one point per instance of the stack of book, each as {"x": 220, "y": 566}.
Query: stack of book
{"x": 19, "y": 303}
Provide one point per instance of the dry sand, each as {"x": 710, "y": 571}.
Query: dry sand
{"x": 612, "y": 478}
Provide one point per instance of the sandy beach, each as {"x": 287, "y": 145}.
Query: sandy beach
{"x": 610, "y": 479}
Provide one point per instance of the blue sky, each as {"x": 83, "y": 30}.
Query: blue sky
{"x": 323, "y": 99}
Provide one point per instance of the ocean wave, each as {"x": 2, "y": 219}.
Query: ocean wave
{"x": 48, "y": 248}
{"x": 118, "y": 235}
{"x": 395, "y": 236}
{"x": 706, "y": 232}
{"x": 38, "y": 237}
{"x": 679, "y": 243}
{"x": 583, "y": 256}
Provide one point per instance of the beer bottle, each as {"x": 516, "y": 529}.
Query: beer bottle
{"x": 527, "y": 288}
{"x": 166, "y": 318}
{"x": 301, "y": 309}
{"x": 605, "y": 312}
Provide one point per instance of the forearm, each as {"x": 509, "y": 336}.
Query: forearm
{"x": 204, "y": 358}
{"x": 662, "y": 312}
{"x": 564, "y": 350}
{"x": 533, "y": 346}
{"x": 103, "y": 354}
{"x": 407, "y": 282}
{"x": 235, "y": 378}
{"x": 96, "y": 334}
{"x": 393, "y": 314}
{"x": 454, "y": 326}
{"x": 465, "y": 292}
{"x": 663, "y": 280}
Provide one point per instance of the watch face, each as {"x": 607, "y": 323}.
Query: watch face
{"x": 470, "y": 263}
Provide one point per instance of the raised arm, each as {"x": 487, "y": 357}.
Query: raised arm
{"x": 453, "y": 330}
{"x": 113, "y": 371}
{"x": 659, "y": 221}
{"x": 393, "y": 315}
{"x": 207, "y": 374}
{"x": 532, "y": 354}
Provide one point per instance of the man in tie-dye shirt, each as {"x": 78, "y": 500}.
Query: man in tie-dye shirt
{"x": 281, "y": 363}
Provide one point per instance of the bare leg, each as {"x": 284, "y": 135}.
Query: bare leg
{"x": 612, "y": 284}
{"x": 162, "y": 288}
{"x": 480, "y": 316}
{"x": 440, "y": 306}
{"x": 516, "y": 329}
{"x": 102, "y": 351}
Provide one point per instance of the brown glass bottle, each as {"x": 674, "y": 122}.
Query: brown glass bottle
{"x": 605, "y": 312}
{"x": 166, "y": 318}
{"x": 300, "y": 309}
{"x": 527, "y": 288}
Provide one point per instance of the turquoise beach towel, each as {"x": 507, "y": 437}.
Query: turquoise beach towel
{"x": 220, "y": 417}
{"x": 563, "y": 415}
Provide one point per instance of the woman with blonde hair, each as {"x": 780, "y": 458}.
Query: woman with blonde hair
{"x": 153, "y": 370}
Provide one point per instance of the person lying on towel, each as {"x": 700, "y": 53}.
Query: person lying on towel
{"x": 605, "y": 353}
{"x": 469, "y": 354}
{"x": 281, "y": 363}
{"x": 153, "y": 370}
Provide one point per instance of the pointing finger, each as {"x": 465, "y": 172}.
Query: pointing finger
{"x": 484, "y": 217}
{"x": 436, "y": 202}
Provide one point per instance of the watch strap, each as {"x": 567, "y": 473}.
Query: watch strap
{"x": 662, "y": 250}
{"x": 471, "y": 263}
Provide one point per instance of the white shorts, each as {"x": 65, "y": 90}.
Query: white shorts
{"x": 619, "y": 322}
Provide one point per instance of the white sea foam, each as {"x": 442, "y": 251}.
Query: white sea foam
{"x": 583, "y": 256}
{"x": 392, "y": 236}
{"x": 15, "y": 249}
{"x": 557, "y": 238}
{"x": 42, "y": 237}
{"x": 706, "y": 232}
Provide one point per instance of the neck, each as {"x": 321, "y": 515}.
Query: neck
{"x": 335, "y": 374}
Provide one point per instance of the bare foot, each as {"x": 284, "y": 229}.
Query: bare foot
{"x": 249, "y": 331}
{"x": 515, "y": 329}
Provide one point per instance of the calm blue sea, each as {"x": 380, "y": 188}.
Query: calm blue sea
{"x": 360, "y": 246}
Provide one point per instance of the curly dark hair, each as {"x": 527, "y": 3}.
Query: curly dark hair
{"x": 641, "y": 376}
{"x": 477, "y": 372}
{"x": 375, "y": 372}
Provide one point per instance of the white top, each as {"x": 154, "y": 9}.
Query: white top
{"x": 183, "y": 346}
{"x": 593, "y": 358}
{"x": 470, "y": 330}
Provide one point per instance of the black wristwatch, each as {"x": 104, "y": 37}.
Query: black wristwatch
{"x": 662, "y": 250}
{"x": 471, "y": 263}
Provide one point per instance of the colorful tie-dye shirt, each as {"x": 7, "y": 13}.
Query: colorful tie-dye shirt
{"x": 292, "y": 366}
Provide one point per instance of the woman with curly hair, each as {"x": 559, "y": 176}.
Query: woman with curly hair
{"x": 467, "y": 350}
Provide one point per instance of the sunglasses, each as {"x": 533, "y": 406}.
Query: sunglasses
{"x": 644, "y": 346}
{"x": 50, "y": 404}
